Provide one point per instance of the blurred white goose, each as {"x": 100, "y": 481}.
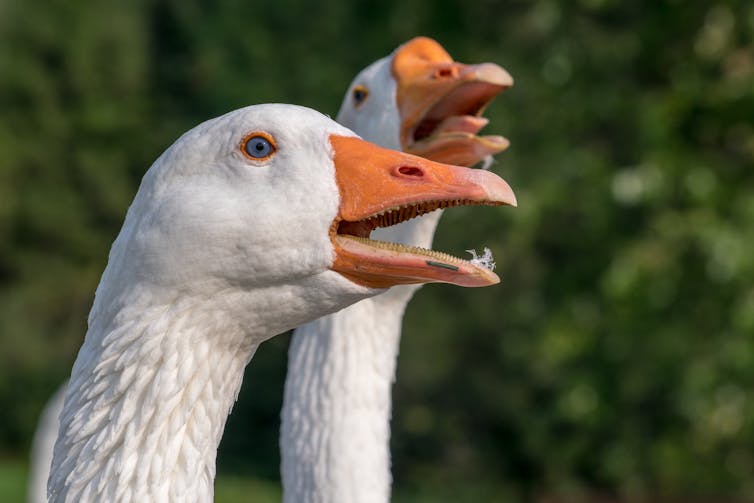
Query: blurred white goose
{"x": 250, "y": 224}
{"x": 336, "y": 412}
{"x": 42, "y": 445}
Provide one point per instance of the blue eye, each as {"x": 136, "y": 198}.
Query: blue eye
{"x": 258, "y": 146}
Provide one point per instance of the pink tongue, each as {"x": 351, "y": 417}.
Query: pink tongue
{"x": 461, "y": 124}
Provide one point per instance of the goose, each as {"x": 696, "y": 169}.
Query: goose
{"x": 335, "y": 428}
{"x": 248, "y": 225}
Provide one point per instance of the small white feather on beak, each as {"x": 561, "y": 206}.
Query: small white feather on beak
{"x": 486, "y": 260}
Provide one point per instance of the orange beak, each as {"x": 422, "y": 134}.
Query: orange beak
{"x": 441, "y": 102}
{"x": 380, "y": 187}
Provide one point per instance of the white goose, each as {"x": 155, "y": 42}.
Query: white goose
{"x": 336, "y": 412}
{"x": 250, "y": 224}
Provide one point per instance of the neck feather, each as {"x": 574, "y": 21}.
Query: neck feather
{"x": 146, "y": 406}
{"x": 336, "y": 412}
{"x": 157, "y": 375}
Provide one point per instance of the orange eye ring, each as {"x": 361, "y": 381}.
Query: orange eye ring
{"x": 360, "y": 94}
{"x": 258, "y": 146}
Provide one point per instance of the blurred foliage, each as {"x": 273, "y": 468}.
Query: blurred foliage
{"x": 12, "y": 481}
{"x": 617, "y": 356}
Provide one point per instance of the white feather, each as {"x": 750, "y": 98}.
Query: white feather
{"x": 485, "y": 260}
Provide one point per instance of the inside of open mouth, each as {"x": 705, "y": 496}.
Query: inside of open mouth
{"x": 360, "y": 230}
{"x": 467, "y": 101}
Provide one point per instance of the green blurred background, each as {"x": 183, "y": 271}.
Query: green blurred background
{"x": 616, "y": 359}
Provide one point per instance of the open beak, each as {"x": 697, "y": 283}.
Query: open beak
{"x": 441, "y": 103}
{"x": 379, "y": 188}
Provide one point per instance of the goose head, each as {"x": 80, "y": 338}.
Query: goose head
{"x": 281, "y": 198}
{"x": 421, "y": 101}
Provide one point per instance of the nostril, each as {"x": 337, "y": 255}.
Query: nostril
{"x": 445, "y": 72}
{"x": 410, "y": 171}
